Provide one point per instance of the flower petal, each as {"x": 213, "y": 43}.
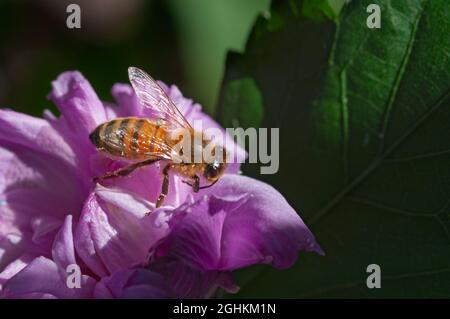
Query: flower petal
{"x": 133, "y": 284}
{"x": 126, "y": 99}
{"x": 81, "y": 112}
{"x": 44, "y": 230}
{"x": 188, "y": 282}
{"x": 36, "y": 192}
{"x": 11, "y": 247}
{"x": 48, "y": 182}
{"x": 164, "y": 279}
{"x": 78, "y": 102}
{"x": 42, "y": 276}
{"x": 114, "y": 231}
{"x": 14, "y": 267}
{"x": 34, "y": 134}
{"x": 245, "y": 222}
{"x": 84, "y": 242}
{"x": 63, "y": 250}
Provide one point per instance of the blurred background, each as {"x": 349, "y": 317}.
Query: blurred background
{"x": 179, "y": 42}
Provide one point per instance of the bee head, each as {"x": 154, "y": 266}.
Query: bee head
{"x": 214, "y": 169}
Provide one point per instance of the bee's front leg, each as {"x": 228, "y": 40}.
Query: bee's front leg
{"x": 196, "y": 184}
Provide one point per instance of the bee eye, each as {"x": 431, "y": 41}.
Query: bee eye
{"x": 212, "y": 171}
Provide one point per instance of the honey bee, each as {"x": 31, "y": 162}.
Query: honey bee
{"x": 144, "y": 141}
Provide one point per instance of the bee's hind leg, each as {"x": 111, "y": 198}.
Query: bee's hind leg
{"x": 165, "y": 186}
{"x": 124, "y": 170}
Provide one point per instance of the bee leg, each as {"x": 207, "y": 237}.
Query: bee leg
{"x": 196, "y": 184}
{"x": 124, "y": 170}
{"x": 165, "y": 186}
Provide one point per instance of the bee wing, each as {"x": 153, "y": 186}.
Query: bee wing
{"x": 159, "y": 147}
{"x": 152, "y": 96}
{"x": 145, "y": 145}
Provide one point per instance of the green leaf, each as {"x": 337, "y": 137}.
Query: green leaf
{"x": 242, "y": 103}
{"x": 364, "y": 147}
{"x": 320, "y": 10}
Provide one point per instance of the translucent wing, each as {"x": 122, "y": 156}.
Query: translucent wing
{"x": 152, "y": 96}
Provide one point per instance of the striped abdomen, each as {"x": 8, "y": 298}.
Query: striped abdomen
{"x": 131, "y": 138}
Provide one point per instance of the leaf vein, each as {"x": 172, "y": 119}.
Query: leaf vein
{"x": 391, "y": 209}
{"x": 418, "y": 156}
{"x": 398, "y": 79}
{"x": 344, "y": 122}
{"x": 378, "y": 160}
{"x": 358, "y": 283}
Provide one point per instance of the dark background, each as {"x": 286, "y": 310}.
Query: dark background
{"x": 179, "y": 42}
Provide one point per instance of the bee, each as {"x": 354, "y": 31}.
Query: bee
{"x": 145, "y": 141}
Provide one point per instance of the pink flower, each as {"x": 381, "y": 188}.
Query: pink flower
{"x": 52, "y": 215}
